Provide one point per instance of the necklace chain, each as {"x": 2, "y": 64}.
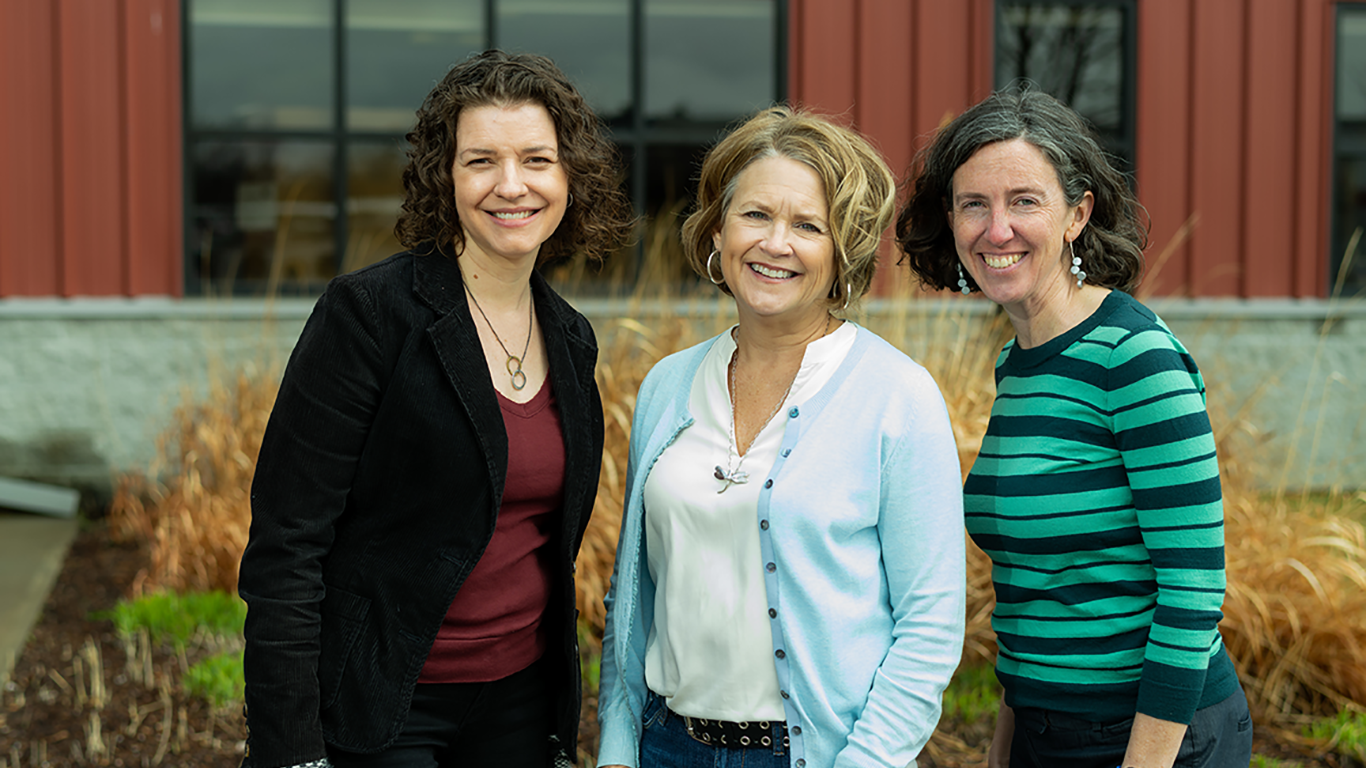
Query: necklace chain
{"x": 514, "y": 362}
{"x": 732, "y": 474}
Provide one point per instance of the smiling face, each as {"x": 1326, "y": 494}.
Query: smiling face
{"x": 510, "y": 188}
{"x": 777, "y": 254}
{"x": 1011, "y": 225}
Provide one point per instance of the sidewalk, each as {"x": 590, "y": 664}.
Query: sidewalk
{"x": 32, "y": 549}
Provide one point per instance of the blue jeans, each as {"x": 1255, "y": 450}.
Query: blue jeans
{"x": 1219, "y": 736}
{"x": 665, "y": 743}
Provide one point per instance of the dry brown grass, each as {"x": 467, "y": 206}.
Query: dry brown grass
{"x": 193, "y": 505}
{"x": 1296, "y": 606}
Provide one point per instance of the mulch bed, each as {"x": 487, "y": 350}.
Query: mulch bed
{"x": 74, "y": 698}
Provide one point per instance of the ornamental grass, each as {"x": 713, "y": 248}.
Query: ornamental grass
{"x": 1295, "y": 614}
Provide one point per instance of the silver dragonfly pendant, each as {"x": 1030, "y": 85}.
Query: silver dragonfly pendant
{"x": 730, "y": 477}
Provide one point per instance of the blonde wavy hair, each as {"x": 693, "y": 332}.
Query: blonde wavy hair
{"x": 860, "y": 191}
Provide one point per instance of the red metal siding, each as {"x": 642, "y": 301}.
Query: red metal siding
{"x": 1233, "y": 119}
{"x": 151, "y": 34}
{"x": 94, "y": 250}
{"x": 1268, "y": 157}
{"x": 29, "y": 235}
{"x": 1162, "y": 138}
{"x": 90, "y": 194}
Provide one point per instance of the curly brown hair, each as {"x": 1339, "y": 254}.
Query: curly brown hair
{"x": 860, "y": 191}
{"x": 600, "y": 217}
{"x": 1111, "y": 246}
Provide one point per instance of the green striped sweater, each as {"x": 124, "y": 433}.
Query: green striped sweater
{"x": 1096, "y": 495}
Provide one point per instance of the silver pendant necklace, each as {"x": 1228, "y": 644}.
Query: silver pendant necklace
{"x": 514, "y": 363}
{"x": 732, "y": 474}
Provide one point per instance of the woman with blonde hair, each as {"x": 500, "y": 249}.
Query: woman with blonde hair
{"x": 789, "y": 583}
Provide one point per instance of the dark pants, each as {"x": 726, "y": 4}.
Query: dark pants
{"x": 1219, "y": 736}
{"x": 666, "y": 743}
{"x": 470, "y": 725}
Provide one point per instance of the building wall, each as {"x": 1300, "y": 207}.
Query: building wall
{"x": 90, "y": 181}
{"x": 1234, "y": 126}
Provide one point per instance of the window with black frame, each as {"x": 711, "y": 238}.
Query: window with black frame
{"x": 296, "y": 112}
{"x": 1081, "y": 52}
{"x": 1349, "y": 155}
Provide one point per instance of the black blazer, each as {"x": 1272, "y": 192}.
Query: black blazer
{"x": 376, "y": 491}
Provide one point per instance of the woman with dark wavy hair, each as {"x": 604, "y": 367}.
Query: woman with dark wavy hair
{"x": 432, "y": 458}
{"x": 1096, "y": 491}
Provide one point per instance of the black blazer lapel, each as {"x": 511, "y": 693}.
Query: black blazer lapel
{"x": 437, "y": 281}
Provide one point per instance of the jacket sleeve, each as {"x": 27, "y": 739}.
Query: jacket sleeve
{"x": 922, "y": 540}
{"x": 317, "y": 429}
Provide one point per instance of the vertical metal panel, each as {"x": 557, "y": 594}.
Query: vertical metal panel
{"x": 1163, "y": 138}
{"x": 29, "y": 234}
{"x": 882, "y": 108}
{"x": 1313, "y": 146}
{"x": 947, "y": 81}
{"x": 151, "y": 33}
{"x": 825, "y": 41}
{"x": 1217, "y": 140}
{"x": 93, "y": 256}
{"x": 1268, "y": 159}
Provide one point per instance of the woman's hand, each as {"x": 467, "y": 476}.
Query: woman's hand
{"x": 999, "y": 754}
{"x": 1153, "y": 743}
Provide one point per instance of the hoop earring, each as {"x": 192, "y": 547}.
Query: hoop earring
{"x": 963, "y": 281}
{"x": 570, "y": 204}
{"x": 1076, "y": 264}
{"x": 713, "y": 280}
{"x": 848, "y": 294}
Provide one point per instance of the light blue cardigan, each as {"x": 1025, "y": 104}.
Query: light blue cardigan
{"x": 861, "y": 533}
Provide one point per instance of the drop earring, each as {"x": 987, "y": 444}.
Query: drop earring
{"x": 962, "y": 282}
{"x": 1076, "y": 264}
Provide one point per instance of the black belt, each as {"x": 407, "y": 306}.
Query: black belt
{"x": 724, "y": 733}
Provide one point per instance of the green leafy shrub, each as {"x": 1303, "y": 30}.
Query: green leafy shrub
{"x": 176, "y": 618}
{"x": 972, "y": 694}
{"x": 217, "y": 679}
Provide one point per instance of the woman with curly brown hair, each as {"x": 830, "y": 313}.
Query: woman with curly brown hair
{"x": 432, "y": 458}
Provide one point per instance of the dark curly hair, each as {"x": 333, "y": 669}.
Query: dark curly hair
{"x": 860, "y": 191}
{"x": 600, "y": 217}
{"x": 1111, "y": 246}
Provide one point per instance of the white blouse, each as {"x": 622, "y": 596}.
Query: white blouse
{"x": 710, "y": 651}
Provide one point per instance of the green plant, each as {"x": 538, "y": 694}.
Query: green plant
{"x": 1344, "y": 734}
{"x": 590, "y": 658}
{"x": 1262, "y": 761}
{"x": 972, "y": 694}
{"x": 217, "y": 679}
{"x": 176, "y": 618}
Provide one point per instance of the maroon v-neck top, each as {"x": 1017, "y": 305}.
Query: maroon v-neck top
{"x": 494, "y": 627}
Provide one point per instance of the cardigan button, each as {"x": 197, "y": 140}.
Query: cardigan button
{"x": 787, "y": 452}
{"x": 784, "y": 694}
{"x": 793, "y": 413}
{"x": 796, "y": 730}
{"x": 779, "y": 653}
{"x": 768, "y": 483}
{"x": 763, "y": 524}
{"x": 771, "y": 567}
{"x": 772, "y": 613}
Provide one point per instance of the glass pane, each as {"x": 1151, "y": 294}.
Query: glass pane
{"x": 375, "y": 189}
{"x": 1351, "y": 75}
{"x": 261, "y": 64}
{"x": 1075, "y": 52}
{"x": 589, "y": 39}
{"x": 262, "y": 214}
{"x": 708, "y": 61}
{"x": 396, "y": 50}
{"x": 1349, "y": 172}
{"x": 670, "y": 189}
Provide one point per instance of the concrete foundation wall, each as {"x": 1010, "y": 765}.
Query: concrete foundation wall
{"x": 86, "y": 386}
